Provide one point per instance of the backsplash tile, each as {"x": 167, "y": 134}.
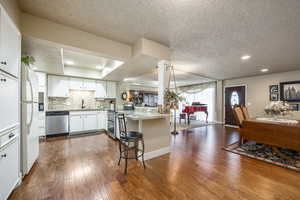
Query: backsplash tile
{"x": 74, "y": 101}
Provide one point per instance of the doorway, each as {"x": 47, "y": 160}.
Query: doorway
{"x": 234, "y": 95}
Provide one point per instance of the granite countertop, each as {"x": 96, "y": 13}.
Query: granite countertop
{"x": 75, "y": 110}
{"x": 143, "y": 116}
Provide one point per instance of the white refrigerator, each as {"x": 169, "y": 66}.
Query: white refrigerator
{"x": 29, "y": 119}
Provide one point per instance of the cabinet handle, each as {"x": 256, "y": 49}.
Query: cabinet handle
{"x": 3, "y": 155}
{"x": 11, "y": 135}
{"x": 3, "y": 63}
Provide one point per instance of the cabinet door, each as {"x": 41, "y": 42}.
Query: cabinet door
{"x": 9, "y": 165}
{"x": 58, "y": 86}
{"x": 111, "y": 89}
{"x": 76, "y": 84}
{"x": 100, "y": 89}
{"x": 90, "y": 122}
{"x": 89, "y": 84}
{"x": 76, "y": 123}
{"x": 10, "y": 45}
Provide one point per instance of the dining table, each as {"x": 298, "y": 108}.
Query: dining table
{"x": 284, "y": 133}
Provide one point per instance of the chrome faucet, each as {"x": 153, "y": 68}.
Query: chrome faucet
{"x": 82, "y": 104}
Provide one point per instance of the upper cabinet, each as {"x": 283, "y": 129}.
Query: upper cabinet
{"x": 82, "y": 84}
{"x": 100, "y": 89}
{"x": 111, "y": 89}
{"x": 10, "y": 45}
{"x": 58, "y": 86}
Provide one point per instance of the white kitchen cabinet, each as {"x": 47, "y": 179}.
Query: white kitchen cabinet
{"x": 111, "y": 89}
{"x": 100, "y": 89}
{"x": 10, "y": 45}
{"x": 89, "y": 122}
{"x": 9, "y": 168}
{"x": 102, "y": 120}
{"x": 76, "y": 84}
{"x": 83, "y": 121}
{"x": 76, "y": 123}
{"x": 89, "y": 84}
{"x": 58, "y": 86}
{"x": 82, "y": 84}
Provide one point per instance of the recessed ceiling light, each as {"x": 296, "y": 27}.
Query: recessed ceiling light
{"x": 245, "y": 57}
{"x": 34, "y": 68}
{"x": 69, "y": 62}
{"x": 264, "y": 70}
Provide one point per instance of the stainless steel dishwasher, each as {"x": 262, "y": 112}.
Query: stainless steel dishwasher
{"x": 57, "y": 123}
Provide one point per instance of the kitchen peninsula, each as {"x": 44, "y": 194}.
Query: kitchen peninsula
{"x": 156, "y": 131}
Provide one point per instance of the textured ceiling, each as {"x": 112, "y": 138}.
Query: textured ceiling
{"x": 206, "y": 36}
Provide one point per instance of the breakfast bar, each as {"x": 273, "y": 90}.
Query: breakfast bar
{"x": 156, "y": 131}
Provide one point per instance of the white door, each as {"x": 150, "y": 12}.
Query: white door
{"x": 100, "y": 120}
{"x": 9, "y": 166}
{"x": 9, "y": 108}
{"x": 10, "y": 49}
{"x": 100, "y": 89}
{"x": 58, "y": 86}
{"x": 111, "y": 89}
{"x": 76, "y": 123}
{"x": 89, "y": 122}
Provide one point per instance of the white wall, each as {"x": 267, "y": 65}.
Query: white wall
{"x": 258, "y": 89}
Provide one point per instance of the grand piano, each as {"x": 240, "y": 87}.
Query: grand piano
{"x": 195, "y": 107}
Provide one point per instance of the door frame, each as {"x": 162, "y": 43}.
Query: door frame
{"x": 246, "y": 100}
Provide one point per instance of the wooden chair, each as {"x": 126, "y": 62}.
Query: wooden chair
{"x": 245, "y": 112}
{"x": 238, "y": 115}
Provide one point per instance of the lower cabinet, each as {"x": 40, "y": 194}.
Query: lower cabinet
{"x": 102, "y": 120}
{"x": 85, "y": 121}
{"x": 9, "y": 168}
{"x": 89, "y": 122}
{"x": 76, "y": 123}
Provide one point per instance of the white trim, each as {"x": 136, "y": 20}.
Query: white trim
{"x": 157, "y": 153}
{"x": 228, "y": 86}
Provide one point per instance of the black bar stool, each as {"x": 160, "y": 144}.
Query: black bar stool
{"x": 129, "y": 141}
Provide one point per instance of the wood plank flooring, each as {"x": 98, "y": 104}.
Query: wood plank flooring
{"x": 85, "y": 168}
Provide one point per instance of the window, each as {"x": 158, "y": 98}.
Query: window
{"x": 206, "y": 96}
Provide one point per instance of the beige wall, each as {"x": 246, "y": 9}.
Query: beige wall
{"x": 258, "y": 89}
{"x": 12, "y": 8}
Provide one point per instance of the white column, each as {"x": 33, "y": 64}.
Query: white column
{"x": 163, "y": 72}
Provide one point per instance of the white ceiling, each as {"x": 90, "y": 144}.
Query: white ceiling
{"x": 83, "y": 60}
{"x": 206, "y": 37}
{"x": 47, "y": 57}
{"x": 52, "y": 58}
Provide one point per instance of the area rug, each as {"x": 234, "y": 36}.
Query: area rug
{"x": 266, "y": 153}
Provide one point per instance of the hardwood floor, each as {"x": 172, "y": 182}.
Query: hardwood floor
{"x": 86, "y": 168}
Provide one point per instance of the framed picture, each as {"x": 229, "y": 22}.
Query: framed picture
{"x": 274, "y": 97}
{"x": 290, "y": 91}
{"x": 274, "y": 89}
{"x": 294, "y": 107}
{"x": 274, "y": 92}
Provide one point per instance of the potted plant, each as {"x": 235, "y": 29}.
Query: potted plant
{"x": 27, "y": 60}
{"x": 171, "y": 99}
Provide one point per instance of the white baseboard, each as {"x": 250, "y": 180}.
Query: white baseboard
{"x": 157, "y": 153}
